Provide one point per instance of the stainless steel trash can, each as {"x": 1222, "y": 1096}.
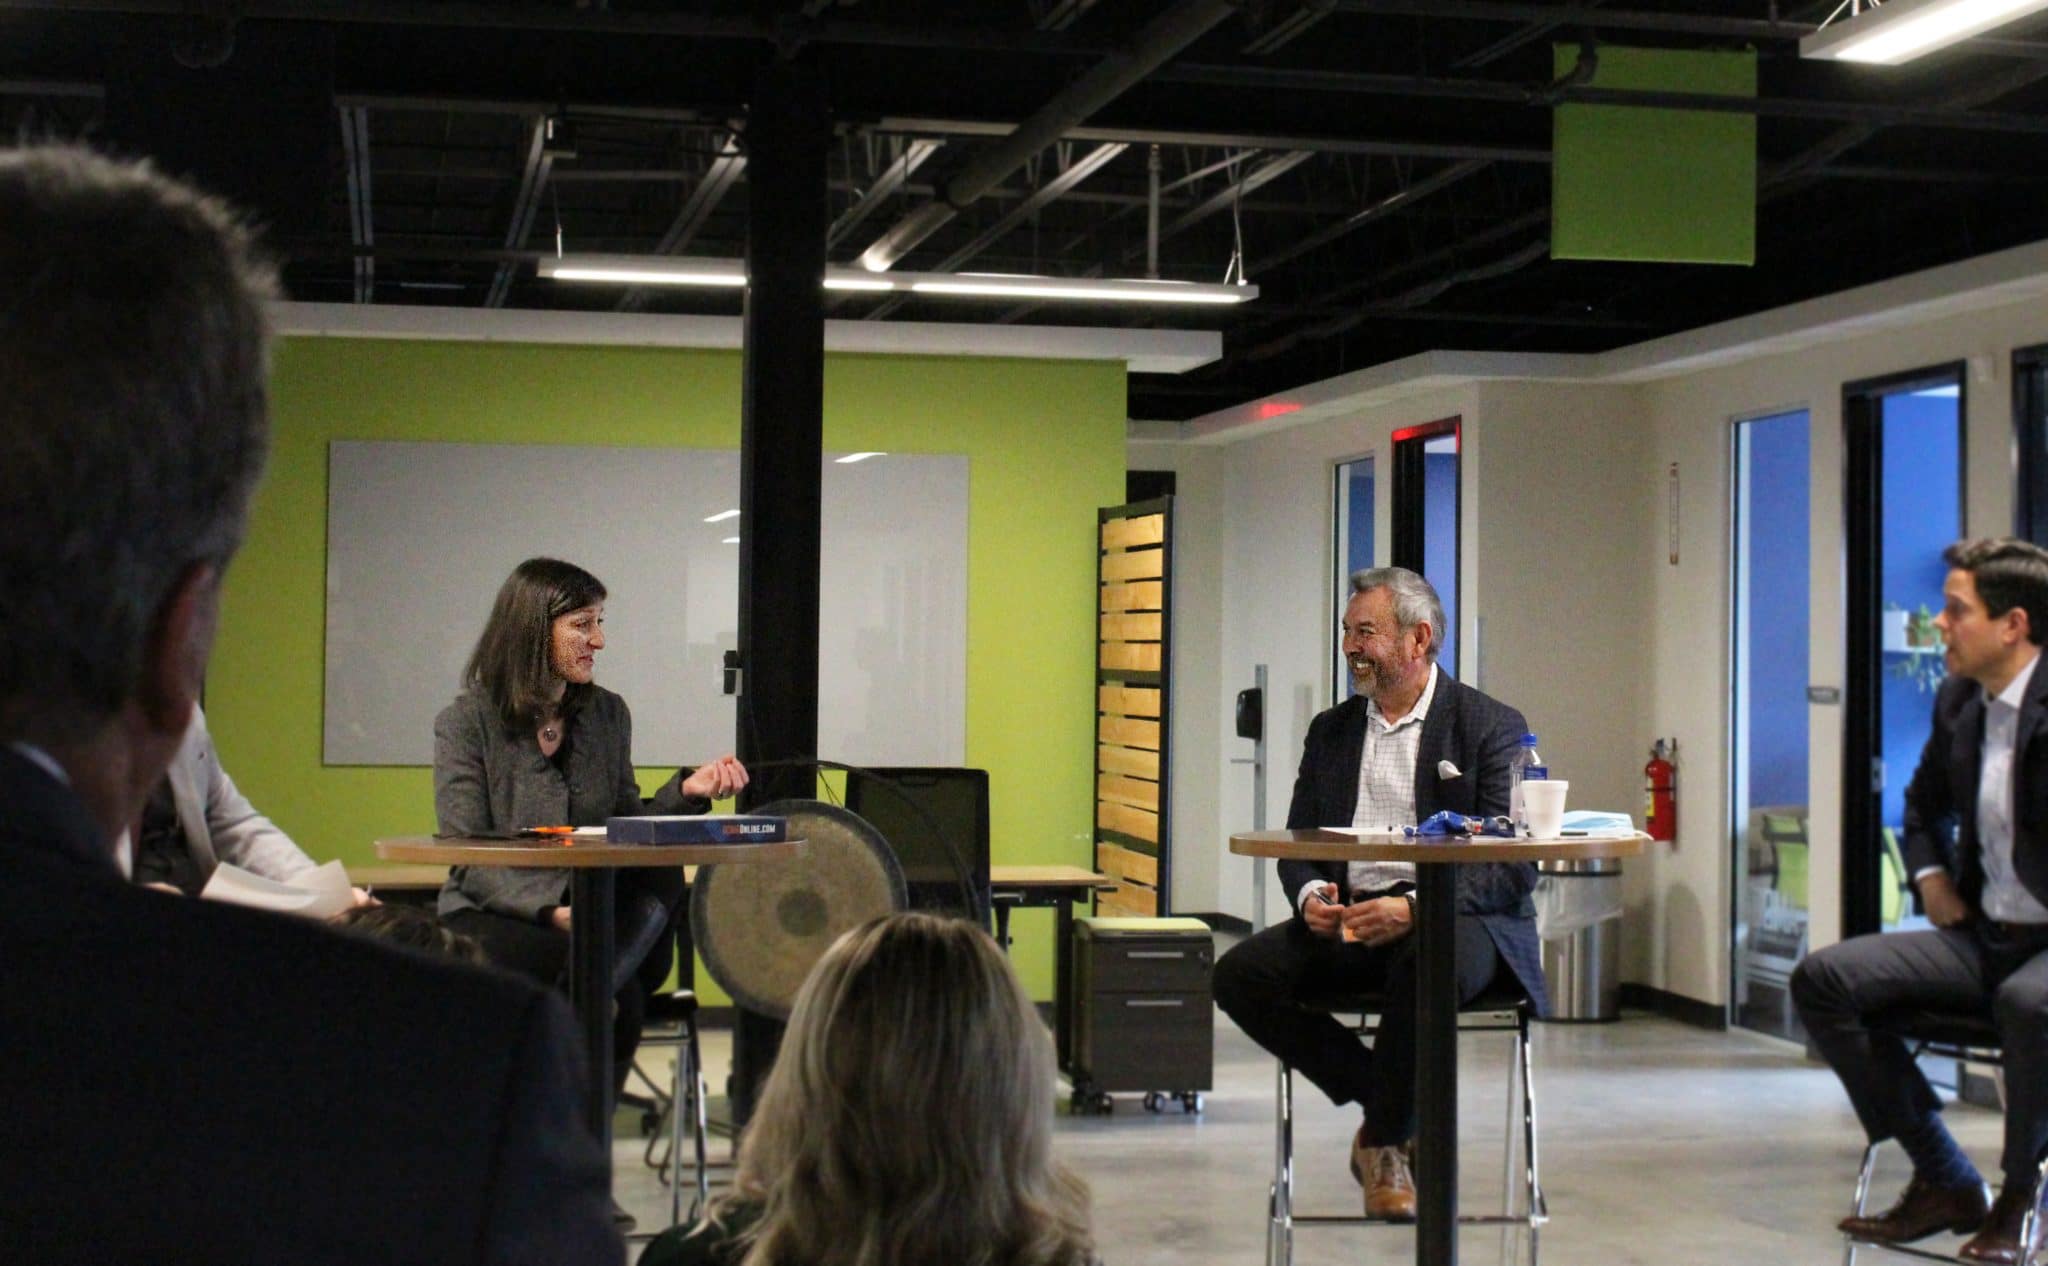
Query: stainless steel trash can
{"x": 1583, "y": 968}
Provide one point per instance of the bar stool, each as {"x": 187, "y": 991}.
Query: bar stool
{"x": 685, "y": 1101}
{"x": 1503, "y": 1008}
{"x": 1963, "y": 1036}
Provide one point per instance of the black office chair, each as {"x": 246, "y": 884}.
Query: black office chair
{"x": 1502, "y": 1008}
{"x": 1967, "y": 1037}
{"x": 936, "y": 820}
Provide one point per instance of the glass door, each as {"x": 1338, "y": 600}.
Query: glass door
{"x": 1773, "y": 602}
{"x": 1904, "y": 499}
{"x": 1426, "y": 518}
{"x": 1354, "y": 553}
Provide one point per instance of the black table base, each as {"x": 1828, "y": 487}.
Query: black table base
{"x": 591, "y": 952}
{"x": 1436, "y": 1076}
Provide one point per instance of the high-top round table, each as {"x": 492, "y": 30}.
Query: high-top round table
{"x": 1436, "y": 981}
{"x": 592, "y": 865}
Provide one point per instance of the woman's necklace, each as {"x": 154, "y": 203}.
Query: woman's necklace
{"x": 550, "y": 732}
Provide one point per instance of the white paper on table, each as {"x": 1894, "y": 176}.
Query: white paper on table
{"x": 590, "y": 833}
{"x": 319, "y": 893}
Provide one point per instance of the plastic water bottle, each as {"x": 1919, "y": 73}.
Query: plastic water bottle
{"x": 1525, "y": 764}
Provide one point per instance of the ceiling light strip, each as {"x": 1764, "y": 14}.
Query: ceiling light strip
{"x": 646, "y": 270}
{"x": 1905, "y": 29}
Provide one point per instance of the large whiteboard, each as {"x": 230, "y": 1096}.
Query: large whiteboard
{"x": 420, "y": 536}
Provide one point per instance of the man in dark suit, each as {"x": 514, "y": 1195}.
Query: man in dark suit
{"x": 188, "y": 1082}
{"x": 1410, "y": 743}
{"x": 1984, "y": 775}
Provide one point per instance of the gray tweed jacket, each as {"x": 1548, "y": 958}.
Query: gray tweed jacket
{"x": 492, "y": 781}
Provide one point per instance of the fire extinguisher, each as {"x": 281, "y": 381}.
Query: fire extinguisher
{"x": 1660, "y": 781}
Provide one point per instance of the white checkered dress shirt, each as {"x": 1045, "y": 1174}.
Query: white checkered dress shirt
{"x": 1386, "y": 786}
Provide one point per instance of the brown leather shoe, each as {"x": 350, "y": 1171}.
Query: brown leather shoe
{"x": 1389, "y": 1188}
{"x": 1921, "y": 1210}
{"x": 1999, "y": 1241}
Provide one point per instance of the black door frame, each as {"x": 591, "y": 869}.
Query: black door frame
{"x": 2030, "y": 443}
{"x": 1408, "y": 492}
{"x": 1863, "y": 665}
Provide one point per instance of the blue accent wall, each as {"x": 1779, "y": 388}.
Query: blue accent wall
{"x": 1777, "y": 528}
{"x": 1358, "y": 533}
{"x": 1922, "y": 515}
{"x": 1440, "y": 544}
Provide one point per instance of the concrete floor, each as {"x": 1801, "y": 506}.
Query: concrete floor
{"x": 1660, "y": 1143}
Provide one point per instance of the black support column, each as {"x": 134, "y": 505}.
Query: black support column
{"x": 782, "y": 427}
{"x": 781, "y": 453}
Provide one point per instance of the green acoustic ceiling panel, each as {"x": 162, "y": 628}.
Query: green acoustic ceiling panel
{"x": 1656, "y": 185}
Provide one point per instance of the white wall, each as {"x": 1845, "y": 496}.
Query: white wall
{"x": 1580, "y": 619}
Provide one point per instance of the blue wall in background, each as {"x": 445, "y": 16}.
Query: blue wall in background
{"x": 1358, "y": 536}
{"x": 1922, "y": 515}
{"x": 1777, "y": 530}
{"x": 1440, "y": 544}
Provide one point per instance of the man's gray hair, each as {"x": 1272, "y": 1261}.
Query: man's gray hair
{"x": 133, "y": 419}
{"x": 1415, "y": 601}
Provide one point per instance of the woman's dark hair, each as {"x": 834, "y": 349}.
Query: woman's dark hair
{"x": 410, "y": 925}
{"x": 511, "y": 664}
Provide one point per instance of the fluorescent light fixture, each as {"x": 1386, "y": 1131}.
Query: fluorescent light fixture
{"x": 837, "y": 280}
{"x": 661, "y": 270}
{"x": 730, "y": 540}
{"x": 1904, "y": 29}
{"x": 645, "y": 270}
{"x": 851, "y": 458}
{"x": 1082, "y": 288}
{"x": 722, "y": 516}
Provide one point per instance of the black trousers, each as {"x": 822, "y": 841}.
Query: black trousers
{"x": 540, "y": 951}
{"x": 1980, "y": 967}
{"x": 1261, "y": 983}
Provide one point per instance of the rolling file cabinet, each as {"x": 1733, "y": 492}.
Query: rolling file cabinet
{"x": 1142, "y": 1011}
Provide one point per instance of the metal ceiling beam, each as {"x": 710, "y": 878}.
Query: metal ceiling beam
{"x": 1160, "y": 40}
{"x": 1076, "y": 172}
{"x": 1509, "y": 43}
{"x": 461, "y": 15}
{"x": 1306, "y": 14}
{"x": 1583, "y": 15}
{"x": 355, "y": 152}
{"x": 1264, "y": 174}
{"x": 1503, "y": 93}
{"x": 719, "y": 178}
{"x": 1379, "y": 210}
{"x": 533, "y": 179}
{"x": 886, "y": 186}
{"x": 1199, "y": 138}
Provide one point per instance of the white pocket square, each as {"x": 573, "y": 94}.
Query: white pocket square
{"x": 1445, "y": 771}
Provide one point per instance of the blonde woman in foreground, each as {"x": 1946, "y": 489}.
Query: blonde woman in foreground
{"x": 907, "y": 1122}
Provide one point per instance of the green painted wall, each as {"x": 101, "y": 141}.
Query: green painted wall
{"x": 1045, "y": 441}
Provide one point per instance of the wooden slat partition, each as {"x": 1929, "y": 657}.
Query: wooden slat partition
{"x": 1138, "y": 792}
{"x": 1135, "y": 626}
{"x": 1146, "y": 564}
{"x": 1137, "y": 595}
{"x": 1141, "y": 657}
{"x": 1128, "y": 732}
{"x": 1130, "y": 701}
{"x": 1145, "y": 529}
{"x": 1132, "y": 631}
{"x": 1135, "y": 761}
{"x": 1119, "y": 862}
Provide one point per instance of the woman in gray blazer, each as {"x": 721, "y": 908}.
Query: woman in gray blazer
{"x": 532, "y": 741}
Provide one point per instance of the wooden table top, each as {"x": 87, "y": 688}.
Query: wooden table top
{"x": 1318, "y": 845}
{"x": 1047, "y": 877}
{"x": 420, "y": 875}
{"x": 575, "y": 853}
